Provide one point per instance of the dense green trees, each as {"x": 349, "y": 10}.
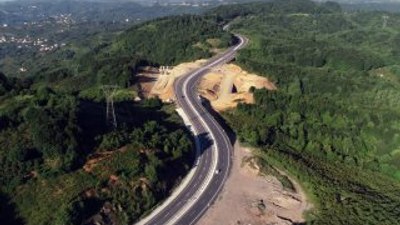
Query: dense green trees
{"x": 151, "y": 157}
{"x": 12, "y": 86}
{"x": 4, "y": 84}
{"x": 40, "y": 133}
{"x": 117, "y": 60}
{"x": 222, "y": 13}
{"x": 54, "y": 140}
{"x": 54, "y": 129}
{"x": 53, "y": 135}
{"x": 154, "y": 43}
{"x": 332, "y": 123}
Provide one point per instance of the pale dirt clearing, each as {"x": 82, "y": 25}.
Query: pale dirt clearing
{"x": 224, "y": 86}
{"x": 251, "y": 198}
{"x": 164, "y": 86}
{"x": 228, "y": 85}
{"x": 154, "y": 81}
{"x": 247, "y": 197}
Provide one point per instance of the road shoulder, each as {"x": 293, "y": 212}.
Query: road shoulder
{"x": 251, "y": 198}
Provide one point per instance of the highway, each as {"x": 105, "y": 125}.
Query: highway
{"x": 213, "y": 163}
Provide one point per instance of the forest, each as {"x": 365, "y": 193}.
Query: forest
{"x": 55, "y": 144}
{"x": 333, "y": 123}
{"x": 116, "y": 61}
{"x": 75, "y": 26}
{"x": 62, "y": 163}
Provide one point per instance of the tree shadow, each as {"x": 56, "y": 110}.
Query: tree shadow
{"x": 205, "y": 142}
{"x": 221, "y": 121}
{"x": 92, "y": 121}
{"x": 146, "y": 79}
{"x": 174, "y": 168}
{"x": 8, "y": 214}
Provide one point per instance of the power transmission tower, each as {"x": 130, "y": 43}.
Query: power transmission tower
{"x": 109, "y": 91}
{"x": 385, "y": 21}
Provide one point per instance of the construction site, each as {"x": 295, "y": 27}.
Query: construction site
{"x": 224, "y": 86}
{"x": 248, "y": 197}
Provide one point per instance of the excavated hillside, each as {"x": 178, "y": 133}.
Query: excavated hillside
{"x": 224, "y": 86}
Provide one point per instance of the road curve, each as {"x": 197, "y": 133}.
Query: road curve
{"x": 215, "y": 152}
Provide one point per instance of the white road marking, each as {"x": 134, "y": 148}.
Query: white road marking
{"x": 214, "y": 151}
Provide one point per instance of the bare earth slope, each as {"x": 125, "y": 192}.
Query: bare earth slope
{"x": 250, "y": 198}
{"x": 229, "y": 85}
{"x": 225, "y": 86}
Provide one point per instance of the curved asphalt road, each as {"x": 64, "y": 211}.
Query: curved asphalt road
{"x": 215, "y": 150}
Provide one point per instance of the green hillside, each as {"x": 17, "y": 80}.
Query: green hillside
{"x": 333, "y": 123}
{"x": 61, "y": 163}
{"x": 117, "y": 61}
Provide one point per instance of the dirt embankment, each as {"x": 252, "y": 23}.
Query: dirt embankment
{"x": 248, "y": 197}
{"x": 251, "y": 198}
{"x": 159, "y": 81}
{"x": 228, "y": 85}
{"x": 224, "y": 87}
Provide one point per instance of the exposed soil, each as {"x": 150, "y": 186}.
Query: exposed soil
{"x": 146, "y": 79}
{"x": 98, "y": 157}
{"x": 248, "y": 197}
{"x": 228, "y": 85}
{"x": 163, "y": 88}
{"x": 251, "y": 198}
{"x": 224, "y": 87}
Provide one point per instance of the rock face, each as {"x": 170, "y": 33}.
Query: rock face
{"x": 229, "y": 85}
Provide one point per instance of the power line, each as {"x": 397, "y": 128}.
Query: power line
{"x": 109, "y": 92}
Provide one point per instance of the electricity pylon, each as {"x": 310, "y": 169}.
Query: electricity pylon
{"x": 109, "y": 91}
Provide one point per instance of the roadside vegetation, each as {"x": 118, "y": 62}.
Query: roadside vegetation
{"x": 166, "y": 41}
{"x": 80, "y": 25}
{"x": 61, "y": 163}
{"x": 333, "y": 122}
